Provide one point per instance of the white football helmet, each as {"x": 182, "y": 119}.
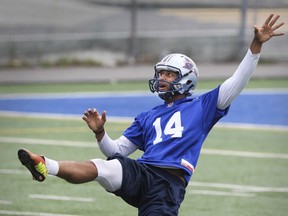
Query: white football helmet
{"x": 187, "y": 78}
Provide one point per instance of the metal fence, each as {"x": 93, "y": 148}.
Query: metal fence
{"x": 35, "y": 32}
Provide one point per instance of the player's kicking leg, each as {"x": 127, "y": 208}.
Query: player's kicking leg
{"x": 71, "y": 171}
{"x": 106, "y": 172}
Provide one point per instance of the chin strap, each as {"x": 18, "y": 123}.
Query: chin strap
{"x": 166, "y": 95}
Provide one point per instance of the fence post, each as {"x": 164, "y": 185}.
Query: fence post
{"x": 133, "y": 33}
{"x": 242, "y": 29}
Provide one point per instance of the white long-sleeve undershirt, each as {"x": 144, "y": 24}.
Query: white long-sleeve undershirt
{"x": 121, "y": 145}
{"x": 234, "y": 85}
{"x": 228, "y": 91}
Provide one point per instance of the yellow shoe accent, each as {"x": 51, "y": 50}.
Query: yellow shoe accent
{"x": 41, "y": 168}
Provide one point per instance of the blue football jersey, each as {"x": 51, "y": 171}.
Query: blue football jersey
{"x": 172, "y": 134}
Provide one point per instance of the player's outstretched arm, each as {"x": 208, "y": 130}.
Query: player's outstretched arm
{"x": 95, "y": 122}
{"x": 265, "y": 32}
{"x": 233, "y": 86}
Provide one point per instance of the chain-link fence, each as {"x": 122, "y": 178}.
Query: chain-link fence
{"x": 41, "y": 32}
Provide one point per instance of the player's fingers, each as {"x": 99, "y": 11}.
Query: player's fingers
{"x": 84, "y": 118}
{"x": 104, "y": 116}
{"x": 277, "y": 26}
{"x": 268, "y": 19}
{"x": 274, "y": 21}
{"x": 95, "y": 111}
{"x": 86, "y": 113}
{"x": 278, "y": 34}
{"x": 90, "y": 111}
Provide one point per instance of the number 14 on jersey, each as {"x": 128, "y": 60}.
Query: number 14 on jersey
{"x": 173, "y": 127}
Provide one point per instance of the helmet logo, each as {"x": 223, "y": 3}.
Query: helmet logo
{"x": 188, "y": 65}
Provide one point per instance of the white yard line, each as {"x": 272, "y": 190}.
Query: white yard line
{"x": 193, "y": 184}
{"x": 5, "y": 202}
{"x": 252, "y": 126}
{"x": 240, "y": 188}
{"x": 130, "y": 119}
{"x": 30, "y": 141}
{"x": 13, "y": 171}
{"x": 62, "y": 198}
{"x": 233, "y": 190}
{"x": 57, "y": 116}
{"x": 25, "y": 213}
{"x": 244, "y": 154}
{"x": 222, "y": 193}
{"x": 79, "y": 144}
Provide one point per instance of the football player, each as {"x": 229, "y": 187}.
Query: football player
{"x": 170, "y": 135}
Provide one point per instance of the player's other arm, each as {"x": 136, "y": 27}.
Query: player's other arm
{"x": 233, "y": 86}
{"x": 109, "y": 147}
{"x": 121, "y": 145}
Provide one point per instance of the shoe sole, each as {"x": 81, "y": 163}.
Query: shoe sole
{"x": 26, "y": 160}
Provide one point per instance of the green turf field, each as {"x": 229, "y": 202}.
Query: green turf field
{"x": 241, "y": 172}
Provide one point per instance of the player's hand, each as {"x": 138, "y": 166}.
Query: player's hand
{"x": 267, "y": 30}
{"x": 94, "y": 120}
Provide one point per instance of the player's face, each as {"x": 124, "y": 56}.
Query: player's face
{"x": 167, "y": 76}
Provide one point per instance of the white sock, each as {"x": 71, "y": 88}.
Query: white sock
{"x": 52, "y": 166}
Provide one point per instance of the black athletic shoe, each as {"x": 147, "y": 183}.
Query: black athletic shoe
{"x": 34, "y": 163}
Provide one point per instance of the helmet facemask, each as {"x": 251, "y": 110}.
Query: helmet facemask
{"x": 185, "y": 82}
{"x": 174, "y": 87}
